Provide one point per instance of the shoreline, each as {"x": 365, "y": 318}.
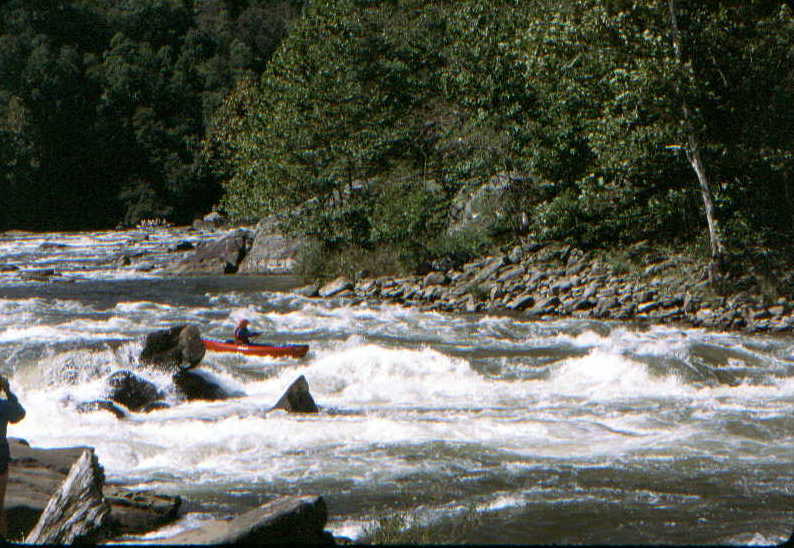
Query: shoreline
{"x": 557, "y": 281}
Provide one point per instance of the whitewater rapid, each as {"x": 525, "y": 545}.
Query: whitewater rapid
{"x": 551, "y": 430}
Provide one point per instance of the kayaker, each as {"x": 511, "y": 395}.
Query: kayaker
{"x": 10, "y": 411}
{"x": 243, "y": 335}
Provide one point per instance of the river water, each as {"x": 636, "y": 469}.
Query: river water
{"x": 562, "y": 432}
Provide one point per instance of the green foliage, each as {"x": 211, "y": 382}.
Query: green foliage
{"x": 104, "y": 104}
{"x": 374, "y": 115}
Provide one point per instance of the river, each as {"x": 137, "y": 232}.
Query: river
{"x": 563, "y": 432}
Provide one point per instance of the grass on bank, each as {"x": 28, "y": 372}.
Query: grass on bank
{"x": 406, "y": 528}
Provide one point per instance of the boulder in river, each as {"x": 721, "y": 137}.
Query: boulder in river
{"x": 78, "y": 511}
{"x": 131, "y": 391}
{"x": 173, "y": 347}
{"x": 287, "y": 520}
{"x": 297, "y": 398}
{"x": 194, "y": 386}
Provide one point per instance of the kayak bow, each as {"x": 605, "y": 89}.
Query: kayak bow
{"x": 288, "y": 350}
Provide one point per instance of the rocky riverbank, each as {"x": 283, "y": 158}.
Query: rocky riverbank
{"x": 556, "y": 280}
{"x": 36, "y": 475}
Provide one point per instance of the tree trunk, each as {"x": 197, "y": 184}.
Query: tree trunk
{"x": 693, "y": 155}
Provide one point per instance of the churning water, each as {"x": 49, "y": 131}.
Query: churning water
{"x": 551, "y": 431}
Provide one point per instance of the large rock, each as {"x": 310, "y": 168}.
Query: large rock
{"x": 78, "y": 511}
{"x": 194, "y": 386}
{"x": 35, "y": 474}
{"x": 287, "y": 520}
{"x": 173, "y": 347}
{"x": 272, "y": 252}
{"x": 491, "y": 206}
{"x": 222, "y": 256}
{"x": 131, "y": 391}
{"x": 297, "y": 398}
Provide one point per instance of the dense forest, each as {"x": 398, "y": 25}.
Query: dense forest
{"x": 363, "y": 122}
{"x": 104, "y": 104}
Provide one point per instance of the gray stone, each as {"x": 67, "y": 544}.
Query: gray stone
{"x": 544, "y": 307}
{"x": 193, "y": 386}
{"x": 521, "y": 302}
{"x": 222, "y": 256}
{"x": 511, "y": 274}
{"x": 516, "y": 254}
{"x": 562, "y": 286}
{"x": 335, "y": 286}
{"x": 287, "y": 520}
{"x": 272, "y": 251}
{"x": 131, "y": 391}
{"x": 435, "y": 278}
{"x": 644, "y": 308}
{"x": 310, "y": 290}
{"x": 489, "y": 269}
{"x": 173, "y": 347}
{"x": 297, "y": 398}
{"x": 78, "y": 512}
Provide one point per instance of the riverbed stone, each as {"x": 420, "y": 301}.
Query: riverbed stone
{"x": 521, "y": 302}
{"x": 335, "y": 287}
{"x": 489, "y": 269}
{"x": 435, "y": 278}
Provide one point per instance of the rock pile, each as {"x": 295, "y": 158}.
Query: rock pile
{"x": 536, "y": 281}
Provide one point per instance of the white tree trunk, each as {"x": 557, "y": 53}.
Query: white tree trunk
{"x": 693, "y": 155}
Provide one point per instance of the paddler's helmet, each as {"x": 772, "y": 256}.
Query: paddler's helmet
{"x": 242, "y": 323}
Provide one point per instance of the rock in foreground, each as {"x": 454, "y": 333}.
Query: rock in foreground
{"x": 35, "y": 474}
{"x": 78, "y": 511}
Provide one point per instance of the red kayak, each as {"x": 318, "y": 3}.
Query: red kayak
{"x": 289, "y": 350}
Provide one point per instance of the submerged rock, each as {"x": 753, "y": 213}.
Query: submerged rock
{"x": 194, "y": 386}
{"x": 297, "y": 398}
{"x": 173, "y": 347}
{"x": 101, "y": 405}
{"x": 131, "y": 391}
